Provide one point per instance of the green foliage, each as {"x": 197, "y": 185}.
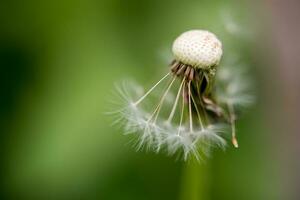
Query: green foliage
{"x": 60, "y": 62}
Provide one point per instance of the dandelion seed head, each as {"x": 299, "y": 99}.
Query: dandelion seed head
{"x": 198, "y": 48}
{"x": 190, "y": 121}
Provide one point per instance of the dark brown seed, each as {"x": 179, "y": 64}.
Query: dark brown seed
{"x": 196, "y": 76}
{"x": 173, "y": 62}
{"x": 175, "y": 66}
{"x": 187, "y": 72}
{"x": 181, "y": 69}
{"x": 191, "y": 75}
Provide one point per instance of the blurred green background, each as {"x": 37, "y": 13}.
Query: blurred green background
{"x": 59, "y": 62}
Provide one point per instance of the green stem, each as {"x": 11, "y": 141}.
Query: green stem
{"x": 195, "y": 181}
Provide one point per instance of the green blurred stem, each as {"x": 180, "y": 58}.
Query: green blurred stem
{"x": 195, "y": 181}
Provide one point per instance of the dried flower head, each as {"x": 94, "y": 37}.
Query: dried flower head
{"x": 190, "y": 116}
{"x": 198, "y": 48}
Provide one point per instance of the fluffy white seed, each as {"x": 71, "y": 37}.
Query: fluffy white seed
{"x": 198, "y": 48}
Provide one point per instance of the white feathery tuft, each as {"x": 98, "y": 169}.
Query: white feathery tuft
{"x": 161, "y": 135}
{"x": 234, "y": 87}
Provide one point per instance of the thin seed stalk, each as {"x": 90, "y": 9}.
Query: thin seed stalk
{"x": 198, "y": 106}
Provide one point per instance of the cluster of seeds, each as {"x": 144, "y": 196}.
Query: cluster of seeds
{"x": 200, "y": 110}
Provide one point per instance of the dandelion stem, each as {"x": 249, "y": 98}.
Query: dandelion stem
{"x": 182, "y": 109}
{"x": 176, "y": 102}
{"x": 232, "y": 123}
{"x": 151, "y": 89}
{"x": 195, "y": 182}
{"x": 190, "y": 107}
{"x": 157, "y": 109}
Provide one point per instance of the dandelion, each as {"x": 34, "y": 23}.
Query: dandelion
{"x": 194, "y": 120}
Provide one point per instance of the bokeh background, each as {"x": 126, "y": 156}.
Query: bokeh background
{"x": 59, "y": 63}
